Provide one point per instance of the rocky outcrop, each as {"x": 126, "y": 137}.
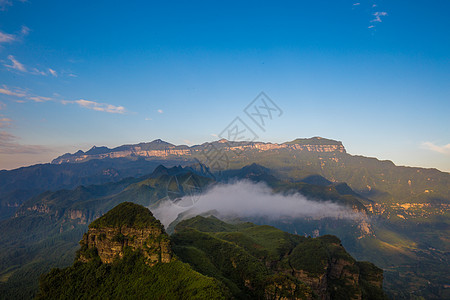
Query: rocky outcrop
{"x": 297, "y": 268}
{"x": 111, "y": 243}
{"x": 162, "y": 150}
{"x": 128, "y": 226}
{"x": 337, "y": 274}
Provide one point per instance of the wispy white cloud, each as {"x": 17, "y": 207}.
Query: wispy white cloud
{"x": 9, "y": 145}
{"x": 356, "y": 4}
{"x": 440, "y": 149}
{"x": 7, "y": 38}
{"x": 19, "y": 93}
{"x": 15, "y": 93}
{"x": 39, "y": 98}
{"x": 38, "y": 72}
{"x": 378, "y": 16}
{"x": 15, "y": 64}
{"x": 4, "y": 4}
{"x": 53, "y": 72}
{"x": 160, "y": 111}
{"x": 104, "y": 107}
{"x": 25, "y": 30}
{"x": 24, "y": 95}
{"x": 4, "y": 122}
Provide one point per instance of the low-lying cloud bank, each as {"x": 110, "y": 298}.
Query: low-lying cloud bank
{"x": 248, "y": 199}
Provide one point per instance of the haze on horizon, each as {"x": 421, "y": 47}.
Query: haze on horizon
{"x": 372, "y": 74}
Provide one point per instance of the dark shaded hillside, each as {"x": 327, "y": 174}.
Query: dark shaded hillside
{"x": 17, "y": 186}
{"x": 379, "y": 180}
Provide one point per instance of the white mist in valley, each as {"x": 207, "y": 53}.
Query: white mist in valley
{"x": 248, "y": 199}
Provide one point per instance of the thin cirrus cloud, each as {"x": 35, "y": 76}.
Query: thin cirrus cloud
{"x": 18, "y": 66}
{"x": 7, "y": 38}
{"x": 103, "y": 107}
{"x": 10, "y": 38}
{"x": 9, "y": 145}
{"x": 15, "y": 93}
{"x": 5, "y": 3}
{"x": 39, "y": 98}
{"x": 18, "y": 93}
{"x": 97, "y": 106}
{"x": 15, "y": 64}
{"x": 440, "y": 149}
{"x": 378, "y": 16}
{"x": 52, "y": 72}
{"x": 4, "y": 122}
{"x": 375, "y": 15}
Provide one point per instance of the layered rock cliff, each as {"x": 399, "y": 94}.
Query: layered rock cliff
{"x": 127, "y": 226}
{"x": 159, "y": 149}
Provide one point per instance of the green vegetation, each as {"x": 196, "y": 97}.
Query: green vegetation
{"x": 129, "y": 278}
{"x": 252, "y": 261}
{"x": 240, "y": 261}
{"x": 314, "y": 141}
{"x": 310, "y": 256}
{"x": 411, "y": 242}
{"x": 126, "y": 214}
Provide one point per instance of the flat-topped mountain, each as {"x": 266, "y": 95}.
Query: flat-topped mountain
{"x": 162, "y": 149}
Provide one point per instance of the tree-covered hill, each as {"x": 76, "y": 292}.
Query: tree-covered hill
{"x": 240, "y": 261}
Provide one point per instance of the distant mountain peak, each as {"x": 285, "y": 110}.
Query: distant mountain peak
{"x": 97, "y": 150}
{"x": 159, "y": 149}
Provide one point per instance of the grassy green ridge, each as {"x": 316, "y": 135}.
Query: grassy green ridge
{"x": 246, "y": 257}
{"x": 127, "y": 214}
{"x": 129, "y": 278}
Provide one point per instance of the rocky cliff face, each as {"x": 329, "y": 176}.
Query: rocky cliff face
{"x": 162, "y": 150}
{"x": 337, "y": 273}
{"x": 110, "y": 243}
{"x": 296, "y": 268}
{"x": 127, "y": 226}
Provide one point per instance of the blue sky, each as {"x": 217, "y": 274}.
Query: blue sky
{"x": 373, "y": 74}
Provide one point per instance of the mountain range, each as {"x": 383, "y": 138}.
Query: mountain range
{"x": 404, "y": 212}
